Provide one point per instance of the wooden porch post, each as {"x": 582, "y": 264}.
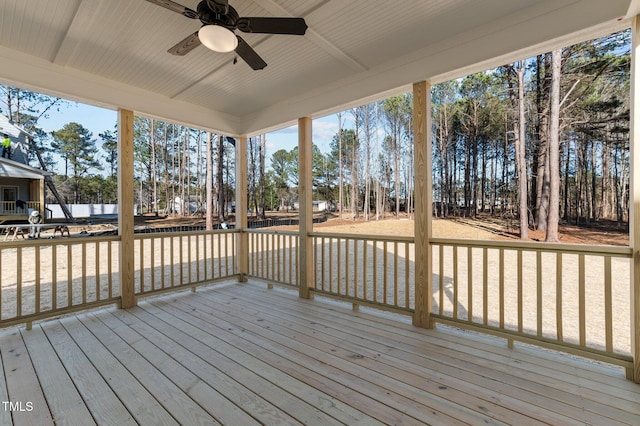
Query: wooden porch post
{"x": 423, "y": 205}
{"x": 634, "y": 204}
{"x": 125, "y": 207}
{"x": 242, "y": 248}
{"x": 306, "y": 266}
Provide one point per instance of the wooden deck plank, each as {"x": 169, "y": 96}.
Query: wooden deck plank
{"x": 387, "y": 359}
{"x": 535, "y": 360}
{"x": 282, "y": 358}
{"x": 496, "y": 405}
{"x": 181, "y": 407}
{"x": 236, "y": 350}
{"x": 256, "y": 408}
{"x": 470, "y": 354}
{"x": 140, "y": 403}
{"x": 104, "y": 405}
{"x": 206, "y": 345}
{"x": 546, "y": 398}
{"x": 224, "y": 410}
{"x": 5, "y": 415}
{"x": 411, "y": 400}
{"x": 242, "y": 354}
{"x": 23, "y": 386}
{"x": 254, "y": 360}
{"x": 65, "y": 403}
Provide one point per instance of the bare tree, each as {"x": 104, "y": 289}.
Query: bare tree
{"x": 554, "y": 149}
{"x": 209, "y": 182}
{"x": 521, "y": 157}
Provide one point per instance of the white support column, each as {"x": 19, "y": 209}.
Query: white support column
{"x": 125, "y": 207}
{"x": 634, "y": 203}
{"x": 305, "y": 189}
{"x": 423, "y": 205}
{"x": 242, "y": 247}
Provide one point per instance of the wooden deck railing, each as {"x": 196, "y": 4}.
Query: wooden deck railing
{"x": 49, "y": 277}
{"x": 273, "y": 256}
{"x": 571, "y": 297}
{"x": 166, "y": 261}
{"x": 365, "y": 269}
{"x": 11, "y": 207}
{"x": 43, "y": 278}
{"x": 574, "y": 298}
{"x": 568, "y": 297}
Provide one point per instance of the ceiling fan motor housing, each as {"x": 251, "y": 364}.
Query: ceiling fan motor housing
{"x": 211, "y": 12}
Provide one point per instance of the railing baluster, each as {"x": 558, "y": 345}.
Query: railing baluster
{"x": 407, "y": 289}
{"x": 197, "y": 257}
{"x": 375, "y": 271}
{"x": 322, "y": 280}
{"x": 37, "y": 277}
{"x": 455, "y": 282}
{"x": 469, "y": 284}
{"x": 84, "y": 273}
{"x": 69, "y": 276}
{"x": 109, "y": 270}
{"x": 395, "y": 273}
{"x": 171, "y": 260}
{"x": 355, "y": 268}
{"x": 97, "y": 260}
{"x": 205, "y": 260}
{"x": 441, "y": 279}
{"x": 385, "y": 270}
{"x": 582, "y": 300}
{"x": 520, "y": 296}
{"x": 331, "y": 264}
{"x": 273, "y": 258}
{"x": 141, "y": 258}
{"x": 280, "y": 253}
{"x": 485, "y": 286}
{"x": 365, "y": 285}
{"x": 608, "y": 305}
{"x": 19, "y": 282}
{"x": 501, "y": 286}
{"x": 559, "y": 335}
{"x": 539, "y": 293}
{"x": 181, "y": 259}
{"x": 346, "y": 266}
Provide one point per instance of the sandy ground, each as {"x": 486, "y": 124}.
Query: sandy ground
{"x": 382, "y": 272}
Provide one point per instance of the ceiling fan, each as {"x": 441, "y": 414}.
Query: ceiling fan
{"x": 220, "y": 20}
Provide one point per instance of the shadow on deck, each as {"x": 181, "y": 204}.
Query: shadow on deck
{"x": 241, "y": 354}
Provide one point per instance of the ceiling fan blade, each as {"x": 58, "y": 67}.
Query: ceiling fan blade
{"x": 175, "y": 7}
{"x": 249, "y": 55}
{"x": 295, "y": 26}
{"x": 186, "y": 45}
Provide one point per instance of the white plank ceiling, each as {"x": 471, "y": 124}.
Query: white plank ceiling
{"x": 113, "y": 53}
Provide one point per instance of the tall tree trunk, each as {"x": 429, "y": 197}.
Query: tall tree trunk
{"x": 554, "y": 149}
{"x": 521, "y": 157}
{"x": 209, "y": 182}
{"x": 220, "y": 176}
{"x": 567, "y": 194}
{"x": 263, "y": 152}
{"x": 340, "y": 182}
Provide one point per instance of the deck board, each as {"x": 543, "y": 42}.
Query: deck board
{"x": 64, "y": 401}
{"x": 243, "y": 354}
{"x": 424, "y": 360}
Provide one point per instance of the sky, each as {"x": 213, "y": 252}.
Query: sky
{"x": 97, "y": 120}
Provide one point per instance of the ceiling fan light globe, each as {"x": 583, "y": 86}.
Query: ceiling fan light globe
{"x": 217, "y": 38}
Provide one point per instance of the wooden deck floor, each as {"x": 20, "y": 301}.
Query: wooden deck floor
{"x": 242, "y": 354}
